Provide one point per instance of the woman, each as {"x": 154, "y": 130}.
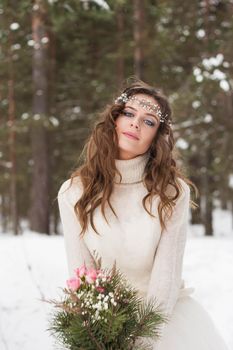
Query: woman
{"x": 129, "y": 204}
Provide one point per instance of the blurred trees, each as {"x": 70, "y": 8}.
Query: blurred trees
{"x": 39, "y": 211}
{"x": 65, "y": 74}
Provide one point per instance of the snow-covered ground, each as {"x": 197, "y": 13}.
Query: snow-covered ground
{"x": 33, "y": 266}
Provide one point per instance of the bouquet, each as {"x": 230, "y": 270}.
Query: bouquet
{"x": 100, "y": 310}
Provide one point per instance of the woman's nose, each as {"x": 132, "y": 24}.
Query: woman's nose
{"x": 135, "y": 122}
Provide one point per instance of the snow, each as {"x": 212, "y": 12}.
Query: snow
{"x": 211, "y": 62}
{"x": 196, "y": 104}
{"x": 34, "y": 267}
{"x": 217, "y": 74}
{"x": 200, "y": 33}
{"x": 182, "y": 143}
{"x": 14, "y": 26}
{"x": 224, "y": 85}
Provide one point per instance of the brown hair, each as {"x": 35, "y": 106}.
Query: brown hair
{"x": 100, "y": 151}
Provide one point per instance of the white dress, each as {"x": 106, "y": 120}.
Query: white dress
{"x": 152, "y": 262}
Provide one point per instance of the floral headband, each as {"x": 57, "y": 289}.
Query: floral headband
{"x": 146, "y": 104}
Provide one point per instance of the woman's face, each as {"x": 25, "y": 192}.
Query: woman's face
{"x": 138, "y": 121}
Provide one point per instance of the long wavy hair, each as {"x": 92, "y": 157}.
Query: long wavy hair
{"x": 101, "y": 149}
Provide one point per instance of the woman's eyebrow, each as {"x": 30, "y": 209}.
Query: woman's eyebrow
{"x": 152, "y": 115}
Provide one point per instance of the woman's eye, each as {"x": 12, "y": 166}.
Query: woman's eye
{"x": 127, "y": 114}
{"x": 149, "y": 122}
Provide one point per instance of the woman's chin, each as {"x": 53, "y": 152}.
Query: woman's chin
{"x": 126, "y": 153}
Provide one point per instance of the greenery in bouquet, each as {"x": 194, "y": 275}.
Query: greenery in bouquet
{"x": 101, "y": 311}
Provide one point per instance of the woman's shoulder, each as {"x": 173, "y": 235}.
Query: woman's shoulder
{"x": 183, "y": 188}
{"x": 70, "y": 189}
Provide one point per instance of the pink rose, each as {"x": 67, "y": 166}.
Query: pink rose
{"x": 73, "y": 283}
{"x": 100, "y": 289}
{"x": 91, "y": 275}
{"x": 81, "y": 271}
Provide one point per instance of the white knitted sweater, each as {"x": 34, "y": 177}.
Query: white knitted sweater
{"x": 152, "y": 262}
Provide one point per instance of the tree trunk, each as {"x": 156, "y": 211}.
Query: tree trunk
{"x": 120, "y": 44}
{"x": 208, "y": 215}
{"x": 196, "y": 214}
{"x": 39, "y": 213}
{"x": 139, "y": 37}
{"x": 4, "y": 211}
{"x": 12, "y": 143}
{"x": 56, "y": 221}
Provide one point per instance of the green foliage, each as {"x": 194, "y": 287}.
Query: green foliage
{"x": 132, "y": 318}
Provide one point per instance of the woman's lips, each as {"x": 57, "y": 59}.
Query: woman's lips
{"x": 130, "y": 136}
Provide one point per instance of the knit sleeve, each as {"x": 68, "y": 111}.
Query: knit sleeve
{"x": 77, "y": 252}
{"x": 166, "y": 279}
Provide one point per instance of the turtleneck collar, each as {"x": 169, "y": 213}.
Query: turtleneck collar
{"x": 131, "y": 169}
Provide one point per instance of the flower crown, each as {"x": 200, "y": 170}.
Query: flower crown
{"x": 146, "y": 104}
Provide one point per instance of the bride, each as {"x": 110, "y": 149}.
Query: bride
{"x": 129, "y": 203}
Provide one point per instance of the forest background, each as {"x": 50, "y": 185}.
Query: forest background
{"x": 61, "y": 62}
